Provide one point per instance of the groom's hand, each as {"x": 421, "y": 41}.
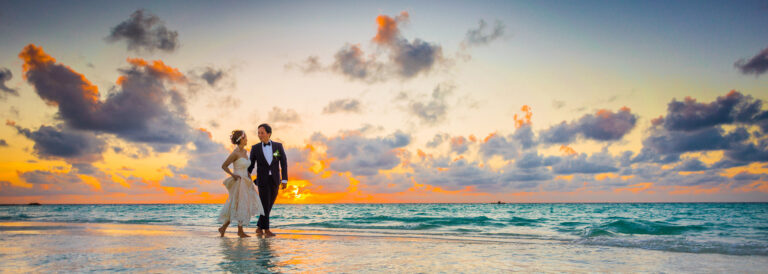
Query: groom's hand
{"x": 283, "y": 184}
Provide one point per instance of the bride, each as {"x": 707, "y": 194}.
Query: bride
{"x": 243, "y": 201}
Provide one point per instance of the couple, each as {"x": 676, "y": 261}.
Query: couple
{"x": 271, "y": 170}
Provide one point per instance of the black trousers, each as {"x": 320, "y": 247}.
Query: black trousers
{"x": 268, "y": 195}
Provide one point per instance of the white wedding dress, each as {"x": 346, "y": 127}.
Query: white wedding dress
{"x": 243, "y": 201}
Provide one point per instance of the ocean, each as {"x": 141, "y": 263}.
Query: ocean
{"x": 717, "y": 230}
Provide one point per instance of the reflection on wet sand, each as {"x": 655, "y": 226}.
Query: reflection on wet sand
{"x": 248, "y": 255}
{"x": 63, "y": 247}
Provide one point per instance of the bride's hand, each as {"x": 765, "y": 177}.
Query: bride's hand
{"x": 236, "y": 177}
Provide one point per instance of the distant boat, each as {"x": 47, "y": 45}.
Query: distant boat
{"x": 500, "y": 203}
{"x": 34, "y": 203}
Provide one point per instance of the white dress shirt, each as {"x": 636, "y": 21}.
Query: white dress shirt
{"x": 267, "y": 153}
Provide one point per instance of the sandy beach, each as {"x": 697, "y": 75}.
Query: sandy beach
{"x": 80, "y": 247}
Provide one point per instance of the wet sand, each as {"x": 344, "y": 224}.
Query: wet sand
{"x": 81, "y": 247}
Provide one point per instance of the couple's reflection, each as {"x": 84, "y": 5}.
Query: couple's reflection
{"x": 248, "y": 255}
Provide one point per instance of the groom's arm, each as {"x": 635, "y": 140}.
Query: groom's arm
{"x": 253, "y": 161}
{"x": 283, "y": 164}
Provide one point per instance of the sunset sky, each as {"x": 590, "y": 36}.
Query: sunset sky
{"x": 465, "y": 101}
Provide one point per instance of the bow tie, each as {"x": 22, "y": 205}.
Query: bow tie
{"x": 266, "y": 144}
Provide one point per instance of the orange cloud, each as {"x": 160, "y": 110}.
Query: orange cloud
{"x": 387, "y": 28}
{"x": 158, "y": 68}
{"x": 567, "y": 150}
{"x": 636, "y": 188}
{"x": 603, "y": 176}
{"x": 523, "y": 120}
{"x": 36, "y": 59}
{"x": 458, "y": 140}
{"x": 761, "y": 186}
{"x": 683, "y": 190}
{"x": 489, "y": 137}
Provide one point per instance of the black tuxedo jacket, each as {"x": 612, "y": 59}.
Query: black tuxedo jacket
{"x": 279, "y": 165}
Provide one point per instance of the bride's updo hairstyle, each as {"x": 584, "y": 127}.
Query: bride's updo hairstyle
{"x": 236, "y": 136}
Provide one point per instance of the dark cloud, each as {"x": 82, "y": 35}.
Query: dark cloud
{"x": 478, "y": 36}
{"x": 674, "y": 142}
{"x": 144, "y": 108}
{"x": 387, "y": 183}
{"x": 746, "y": 176}
{"x": 459, "y": 144}
{"x": 595, "y": 163}
{"x": 343, "y": 105}
{"x": 691, "y": 165}
{"x": 525, "y": 178}
{"x": 707, "y": 178}
{"x": 141, "y": 109}
{"x": 363, "y": 156}
{"x": 690, "y": 126}
{"x": 650, "y": 155}
{"x": 534, "y": 160}
{"x": 212, "y": 76}
{"x": 729, "y": 109}
{"x": 59, "y": 142}
{"x": 406, "y": 59}
{"x": 38, "y": 177}
{"x": 85, "y": 168}
{"x": 757, "y": 65}
{"x": 511, "y": 146}
{"x": 456, "y": 175}
{"x": 409, "y": 58}
{"x": 604, "y": 125}
{"x": 145, "y": 31}
{"x": 351, "y": 62}
{"x": 524, "y": 136}
{"x": 435, "y": 110}
{"x": 437, "y": 140}
{"x": 746, "y": 153}
{"x": 3, "y": 143}
{"x": 412, "y": 58}
{"x": 278, "y": 115}
{"x": 507, "y": 147}
{"x": 5, "y": 76}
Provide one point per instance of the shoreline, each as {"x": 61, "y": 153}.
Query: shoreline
{"x": 415, "y": 203}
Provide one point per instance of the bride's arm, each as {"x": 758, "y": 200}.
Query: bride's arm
{"x": 225, "y": 166}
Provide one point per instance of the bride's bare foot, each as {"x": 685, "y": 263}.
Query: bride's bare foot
{"x": 241, "y": 233}
{"x": 259, "y": 232}
{"x": 268, "y": 233}
{"x": 222, "y": 230}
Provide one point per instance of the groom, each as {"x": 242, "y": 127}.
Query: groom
{"x": 266, "y": 155}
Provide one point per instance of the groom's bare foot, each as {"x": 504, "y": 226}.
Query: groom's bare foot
{"x": 268, "y": 233}
{"x": 222, "y": 230}
{"x": 259, "y": 232}
{"x": 243, "y": 235}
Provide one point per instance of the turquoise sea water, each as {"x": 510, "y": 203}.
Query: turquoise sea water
{"x": 709, "y": 228}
